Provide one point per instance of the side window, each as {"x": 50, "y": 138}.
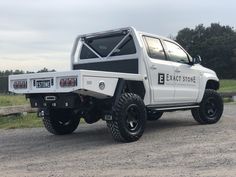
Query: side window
{"x": 176, "y": 53}
{"x": 154, "y": 48}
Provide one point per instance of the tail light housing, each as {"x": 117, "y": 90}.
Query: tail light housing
{"x": 68, "y": 82}
{"x": 21, "y": 84}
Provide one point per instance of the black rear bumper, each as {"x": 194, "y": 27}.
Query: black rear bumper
{"x": 50, "y": 100}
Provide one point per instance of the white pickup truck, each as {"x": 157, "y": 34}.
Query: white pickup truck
{"x": 124, "y": 77}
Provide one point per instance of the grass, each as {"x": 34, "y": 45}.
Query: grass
{"x": 227, "y": 85}
{"x": 21, "y": 121}
{"x": 12, "y": 100}
{"x": 228, "y": 100}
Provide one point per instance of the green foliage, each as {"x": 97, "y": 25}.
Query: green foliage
{"x": 10, "y": 72}
{"x": 12, "y": 100}
{"x": 228, "y": 85}
{"x": 20, "y": 121}
{"x": 215, "y": 44}
{"x": 3, "y": 84}
{"x": 44, "y": 70}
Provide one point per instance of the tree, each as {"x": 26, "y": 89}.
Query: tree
{"x": 216, "y": 44}
{"x": 10, "y": 72}
{"x": 44, "y": 70}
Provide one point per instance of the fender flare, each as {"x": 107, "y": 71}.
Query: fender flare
{"x": 136, "y": 87}
{"x": 205, "y": 79}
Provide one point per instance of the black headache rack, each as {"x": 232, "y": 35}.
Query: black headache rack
{"x": 109, "y": 45}
{"x": 106, "y": 47}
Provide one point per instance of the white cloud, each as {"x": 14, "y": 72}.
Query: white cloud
{"x": 19, "y": 35}
{"x": 33, "y": 62}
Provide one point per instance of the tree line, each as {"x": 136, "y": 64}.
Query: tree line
{"x": 10, "y": 72}
{"x": 216, "y": 45}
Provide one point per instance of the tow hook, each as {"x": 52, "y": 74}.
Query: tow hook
{"x": 42, "y": 113}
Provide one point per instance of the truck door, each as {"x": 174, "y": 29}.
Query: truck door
{"x": 186, "y": 78}
{"x": 158, "y": 68}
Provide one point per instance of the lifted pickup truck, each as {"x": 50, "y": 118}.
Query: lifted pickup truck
{"x": 124, "y": 77}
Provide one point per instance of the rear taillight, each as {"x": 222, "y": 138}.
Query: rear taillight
{"x": 68, "y": 82}
{"x": 22, "y": 84}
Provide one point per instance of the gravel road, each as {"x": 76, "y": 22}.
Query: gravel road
{"x": 175, "y": 145}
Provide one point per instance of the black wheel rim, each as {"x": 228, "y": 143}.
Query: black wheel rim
{"x": 64, "y": 123}
{"x": 211, "y": 108}
{"x": 63, "y": 118}
{"x": 132, "y": 118}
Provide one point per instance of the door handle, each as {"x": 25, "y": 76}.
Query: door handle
{"x": 153, "y": 67}
{"x": 177, "y": 70}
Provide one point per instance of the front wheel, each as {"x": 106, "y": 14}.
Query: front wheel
{"x": 211, "y": 108}
{"x": 61, "y": 121}
{"x": 128, "y": 118}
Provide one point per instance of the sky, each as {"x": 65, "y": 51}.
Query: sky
{"x": 40, "y": 33}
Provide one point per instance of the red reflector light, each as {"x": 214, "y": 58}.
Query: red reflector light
{"x": 20, "y": 84}
{"x": 68, "y": 82}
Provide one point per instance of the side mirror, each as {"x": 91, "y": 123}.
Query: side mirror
{"x": 197, "y": 60}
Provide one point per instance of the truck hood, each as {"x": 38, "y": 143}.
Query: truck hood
{"x": 205, "y": 70}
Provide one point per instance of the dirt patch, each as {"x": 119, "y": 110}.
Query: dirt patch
{"x": 175, "y": 145}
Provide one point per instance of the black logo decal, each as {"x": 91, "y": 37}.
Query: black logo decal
{"x": 161, "y": 78}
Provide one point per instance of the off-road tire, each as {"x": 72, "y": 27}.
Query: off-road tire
{"x": 61, "y": 121}
{"x": 153, "y": 115}
{"x": 128, "y": 118}
{"x": 211, "y": 108}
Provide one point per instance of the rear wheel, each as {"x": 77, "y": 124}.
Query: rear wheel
{"x": 128, "y": 118}
{"x": 61, "y": 121}
{"x": 211, "y": 108}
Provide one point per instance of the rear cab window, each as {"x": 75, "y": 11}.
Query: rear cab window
{"x": 108, "y": 45}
